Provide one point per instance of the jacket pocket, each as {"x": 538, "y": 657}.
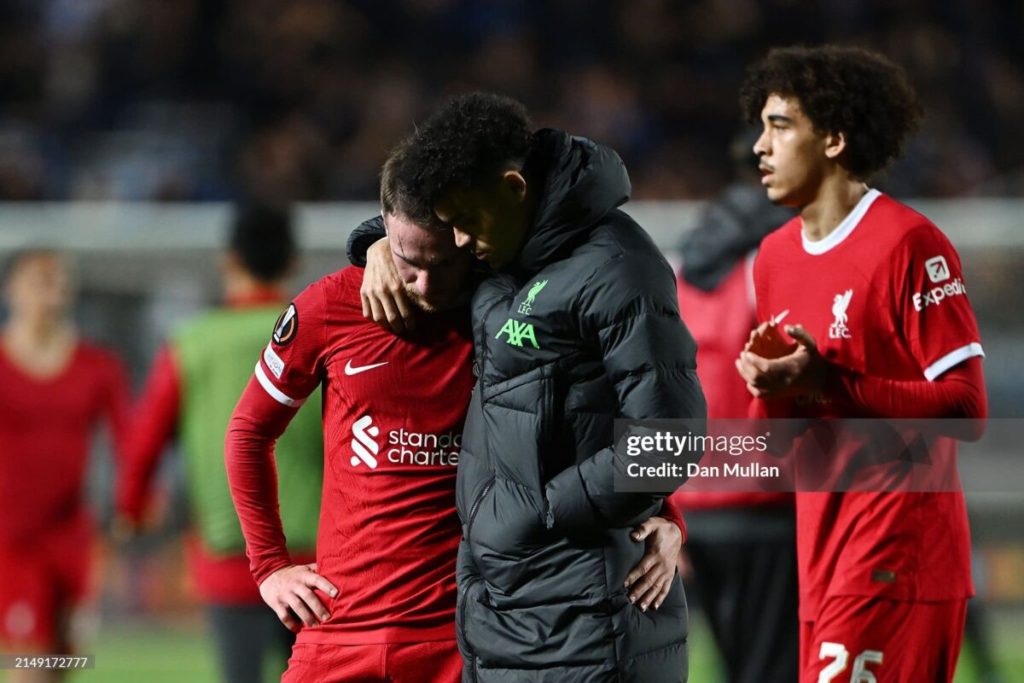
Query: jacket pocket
{"x": 475, "y": 508}
{"x": 518, "y": 420}
{"x": 470, "y": 590}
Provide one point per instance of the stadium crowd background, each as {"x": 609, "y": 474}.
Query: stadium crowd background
{"x": 300, "y": 99}
{"x": 211, "y": 101}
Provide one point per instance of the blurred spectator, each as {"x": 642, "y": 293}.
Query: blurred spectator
{"x": 55, "y": 391}
{"x": 192, "y": 388}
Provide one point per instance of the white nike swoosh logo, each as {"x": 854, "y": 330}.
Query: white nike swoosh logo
{"x": 350, "y": 370}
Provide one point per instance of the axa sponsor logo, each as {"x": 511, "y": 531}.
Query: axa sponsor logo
{"x": 840, "y": 303}
{"x": 403, "y": 447}
{"x": 517, "y": 333}
{"x": 936, "y": 295}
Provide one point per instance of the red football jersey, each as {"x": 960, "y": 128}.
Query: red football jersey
{"x": 882, "y": 295}
{"x": 393, "y": 410}
{"x": 46, "y": 426}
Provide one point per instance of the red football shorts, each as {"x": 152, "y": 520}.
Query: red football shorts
{"x": 859, "y": 639}
{"x": 38, "y": 588}
{"x": 437, "y": 661}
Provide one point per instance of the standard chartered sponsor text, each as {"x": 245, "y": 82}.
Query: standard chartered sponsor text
{"x": 419, "y": 448}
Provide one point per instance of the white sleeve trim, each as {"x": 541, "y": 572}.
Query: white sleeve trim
{"x": 274, "y": 392}
{"x": 952, "y": 359}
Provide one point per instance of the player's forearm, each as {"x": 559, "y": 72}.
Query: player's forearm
{"x": 252, "y": 477}
{"x": 959, "y": 394}
{"x": 670, "y": 511}
{"x": 154, "y": 423}
{"x": 362, "y": 238}
{"x": 583, "y": 497}
{"x": 119, "y": 415}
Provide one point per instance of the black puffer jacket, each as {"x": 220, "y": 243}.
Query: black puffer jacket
{"x": 584, "y": 328}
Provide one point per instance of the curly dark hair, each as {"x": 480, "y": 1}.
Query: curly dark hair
{"x": 465, "y": 143}
{"x": 847, "y": 90}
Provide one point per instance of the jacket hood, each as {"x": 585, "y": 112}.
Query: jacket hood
{"x": 730, "y": 227}
{"x": 581, "y": 182}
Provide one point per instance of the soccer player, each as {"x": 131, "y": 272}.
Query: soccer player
{"x": 192, "y": 388}
{"x": 579, "y": 326}
{"x": 881, "y": 326}
{"x": 379, "y": 604}
{"x": 56, "y": 389}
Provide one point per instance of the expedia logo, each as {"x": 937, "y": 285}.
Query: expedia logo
{"x": 936, "y": 295}
{"x": 286, "y": 326}
{"x": 405, "y": 447}
{"x": 937, "y": 269}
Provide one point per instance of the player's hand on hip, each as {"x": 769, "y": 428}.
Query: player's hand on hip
{"x": 802, "y": 371}
{"x": 290, "y": 593}
{"x": 382, "y": 293}
{"x": 651, "y": 580}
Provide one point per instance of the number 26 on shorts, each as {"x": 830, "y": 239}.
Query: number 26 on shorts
{"x": 840, "y": 658}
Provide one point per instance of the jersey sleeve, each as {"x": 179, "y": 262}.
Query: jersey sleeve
{"x": 362, "y": 238}
{"x": 934, "y": 312}
{"x": 154, "y": 422}
{"x": 116, "y": 398}
{"x": 292, "y": 364}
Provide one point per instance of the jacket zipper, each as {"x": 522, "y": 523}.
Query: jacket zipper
{"x": 478, "y": 364}
{"x": 462, "y": 605}
{"x": 476, "y": 507}
{"x": 465, "y": 641}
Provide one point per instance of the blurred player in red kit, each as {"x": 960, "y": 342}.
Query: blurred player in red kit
{"x": 55, "y": 391}
{"x": 379, "y": 604}
{"x": 189, "y": 396}
{"x": 881, "y": 327}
